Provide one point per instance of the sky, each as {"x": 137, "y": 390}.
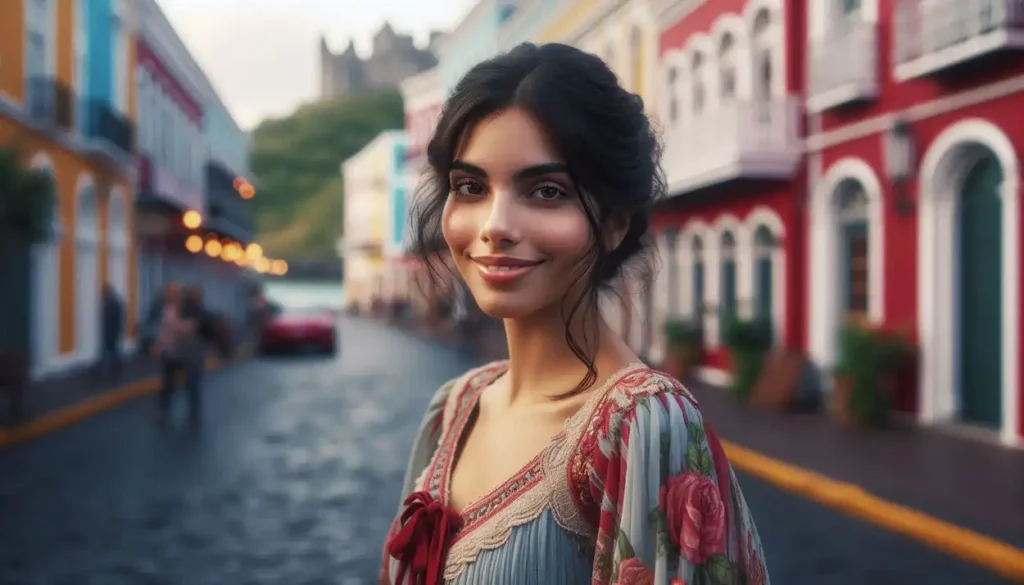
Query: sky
{"x": 262, "y": 56}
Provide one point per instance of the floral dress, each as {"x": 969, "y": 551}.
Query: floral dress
{"x": 635, "y": 490}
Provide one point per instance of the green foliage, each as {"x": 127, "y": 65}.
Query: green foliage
{"x": 868, "y": 359}
{"x": 26, "y": 198}
{"x": 296, "y": 162}
{"x": 749, "y": 341}
{"x": 681, "y": 333}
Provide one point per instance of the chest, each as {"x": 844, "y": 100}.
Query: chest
{"x": 494, "y": 451}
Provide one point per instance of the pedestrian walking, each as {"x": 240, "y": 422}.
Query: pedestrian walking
{"x": 176, "y": 346}
{"x": 110, "y": 366}
{"x": 572, "y": 461}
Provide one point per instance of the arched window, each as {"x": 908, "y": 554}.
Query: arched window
{"x": 636, "y": 51}
{"x": 764, "y": 248}
{"x": 697, "y": 252}
{"x": 727, "y": 64}
{"x": 697, "y": 75}
{"x": 728, "y": 275}
{"x": 762, "y": 51}
{"x": 671, "y": 80}
{"x": 852, "y": 203}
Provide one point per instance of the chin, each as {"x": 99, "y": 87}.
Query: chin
{"x": 504, "y": 308}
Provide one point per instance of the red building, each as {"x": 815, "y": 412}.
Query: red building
{"x": 830, "y": 158}
{"x": 732, "y": 234}
{"x": 915, "y": 176}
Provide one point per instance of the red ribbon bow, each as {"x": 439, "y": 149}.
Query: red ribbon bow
{"x": 421, "y": 542}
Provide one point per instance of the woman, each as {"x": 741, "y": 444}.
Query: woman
{"x": 572, "y": 462}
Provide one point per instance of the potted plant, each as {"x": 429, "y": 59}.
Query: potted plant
{"x": 748, "y": 340}
{"x": 26, "y": 215}
{"x": 865, "y": 376}
{"x": 683, "y": 341}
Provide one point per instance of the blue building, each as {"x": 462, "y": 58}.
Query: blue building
{"x": 103, "y": 70}
{"x": 473, "y": 40}
{"x": 527, "y": 22}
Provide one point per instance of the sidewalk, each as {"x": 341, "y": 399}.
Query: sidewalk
{"x": 57, "y": 392}
{"x": 966, "y": 483}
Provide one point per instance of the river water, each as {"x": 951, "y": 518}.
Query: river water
{"x": 306, "y": 293}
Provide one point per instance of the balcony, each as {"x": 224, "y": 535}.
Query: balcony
{"x": 49, "y": 103}
{"x": 739, "y": 140}
{"x": 844, "y": 65}
{"x": 112, "y": 131}
{"x": 934, "y": 35}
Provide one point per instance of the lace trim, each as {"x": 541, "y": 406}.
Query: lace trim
{"x": 544, "y": 483}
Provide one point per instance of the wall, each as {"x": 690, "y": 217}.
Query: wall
{"x": 474, "y": 40}
{"x": 567, "y": 23}
{"x": 226, "y": 141}
{"x": 528, "y": 21}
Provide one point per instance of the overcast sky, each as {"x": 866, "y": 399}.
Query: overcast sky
{"x": 262, "y": 55}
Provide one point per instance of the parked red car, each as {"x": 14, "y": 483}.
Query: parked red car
{"x": 305, "y": 329}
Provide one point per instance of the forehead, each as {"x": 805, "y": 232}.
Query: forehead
{"x": 507, "y": 141}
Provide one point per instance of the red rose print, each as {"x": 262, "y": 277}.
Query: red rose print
{"x": 633, "y": 572}
{"x": 695, "y": 516}
{"x": 756, "y": 572}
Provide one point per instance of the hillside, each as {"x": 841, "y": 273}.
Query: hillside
{"x": 296, "y": 163}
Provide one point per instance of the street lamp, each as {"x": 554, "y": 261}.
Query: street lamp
{"x": 899, "y": 159}
{"x": 191, "y": 219}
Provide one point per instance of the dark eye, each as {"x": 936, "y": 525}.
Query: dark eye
{"x": 548, "y": 192}
{"x": 468, "y": 188}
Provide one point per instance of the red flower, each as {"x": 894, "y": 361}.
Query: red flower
{"x": 420, "y": 543}
{"x": 695, "y": 516}
{"x": 757, "y": 574}
{"x": 633, "y": 572}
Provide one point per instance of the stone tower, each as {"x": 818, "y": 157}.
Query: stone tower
{"x": 394, "y": 58}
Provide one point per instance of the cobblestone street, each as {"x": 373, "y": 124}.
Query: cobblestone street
{"x": 296, "y": 477}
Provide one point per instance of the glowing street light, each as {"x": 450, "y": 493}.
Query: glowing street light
{"x": 213, "y": 248}
{"x": 279, "y": 267}
{"x": 262, "y": 265}
{"x": 254, "y": 251}
{"x": 194, "y": 244}
{"x": 191, "y": 219}
{"x": 246, "y": 190}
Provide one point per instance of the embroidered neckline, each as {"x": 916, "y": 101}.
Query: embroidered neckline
{"x": 545, "y": 482}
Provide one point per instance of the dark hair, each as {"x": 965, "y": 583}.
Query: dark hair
{"x": 601, "y": 131}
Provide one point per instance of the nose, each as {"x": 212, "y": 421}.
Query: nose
{"x": 500, "y": 227}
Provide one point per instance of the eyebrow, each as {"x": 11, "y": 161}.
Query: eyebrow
{"x": 523, "y": 173}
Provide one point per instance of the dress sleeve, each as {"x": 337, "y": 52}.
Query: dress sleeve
{"x": 671, "y": 512}
{"x": 427, "y": 437}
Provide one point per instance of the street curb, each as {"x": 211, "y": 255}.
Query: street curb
{"x": 999, "y": 557}
{"x": 74, "y": 413}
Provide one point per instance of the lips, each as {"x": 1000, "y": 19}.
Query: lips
{"x": 503, "y": 271}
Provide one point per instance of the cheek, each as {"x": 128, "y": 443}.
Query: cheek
{"x": 565, "y": 236}
{"x": 454, "y": 226}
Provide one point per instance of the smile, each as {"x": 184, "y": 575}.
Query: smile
{"x": 504, "y": 271}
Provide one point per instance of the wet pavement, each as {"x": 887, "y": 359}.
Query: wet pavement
{"x": 295, "y": 480}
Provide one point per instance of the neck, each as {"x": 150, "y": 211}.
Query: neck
{"x": 541, "y": 362}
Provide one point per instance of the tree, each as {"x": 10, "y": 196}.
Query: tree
{"x": 26, "y": 216}
{"x": 296, "y": 162}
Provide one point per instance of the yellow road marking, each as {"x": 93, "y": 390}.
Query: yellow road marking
{"x": 997, "y": 556}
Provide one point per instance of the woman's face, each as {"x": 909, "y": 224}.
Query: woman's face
{"x": 513, "y": 222}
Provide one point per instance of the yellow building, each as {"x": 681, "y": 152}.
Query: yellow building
{"x": 67, "y": 103}
{"x": 375, "y": 218}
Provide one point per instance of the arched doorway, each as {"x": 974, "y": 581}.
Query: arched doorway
{"x": 854, "y": 247}
{"x": 45, "y": 286}
{"x": 117, "y": 244}
{"x": 87, "y": 286}
{"x": 979, "y": 249}
{"x": 969, "y": 271}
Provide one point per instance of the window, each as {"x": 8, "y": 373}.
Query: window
{"x": 38, "y": 57}
{"x": 81, "y": 32}
{"x": 852, "y": 202}
{"x": 670, "y": 90}
{"x": 637, "y": 60}
{"x": 697, "y": 250}
{"x": 763, "y": 45}
{"x": 698, "y": 82}
{"x": 728, "y": 282}
{"x": 764, "y": 247}
{"x": 727, "y": 59}
{"x": 848, "y": 7}
{"x": 120, "y": 64}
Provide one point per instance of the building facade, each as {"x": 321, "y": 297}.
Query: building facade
{"x": 731, "y": 232}
{"x": 914, "y": 156}
{"x": 473, "y": 40}
{"x": 826, "y": 161}
{"x": 375, "y": 220}
{"x": 67, "y": 101}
